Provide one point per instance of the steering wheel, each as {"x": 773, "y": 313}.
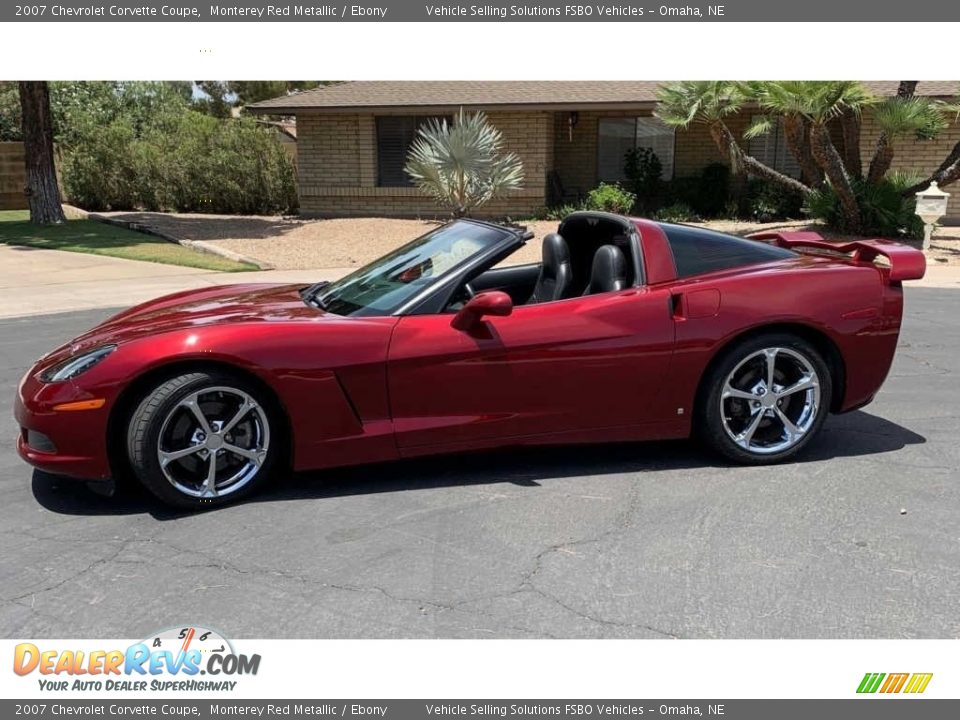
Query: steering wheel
{"x": 469, "y": 291}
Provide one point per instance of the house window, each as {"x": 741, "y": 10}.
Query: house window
{"x": 771, "y": 149}
{"x": 395, "y": 135}
{"x": 617, "y": 136}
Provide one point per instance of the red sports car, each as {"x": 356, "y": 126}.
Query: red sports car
{"x": 627, "y": 330}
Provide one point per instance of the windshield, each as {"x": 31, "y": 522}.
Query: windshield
{"x": 386, "y": 284}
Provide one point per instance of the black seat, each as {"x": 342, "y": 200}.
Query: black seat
{"x": 609, "y": 271}
{"x": 556, "y": 273}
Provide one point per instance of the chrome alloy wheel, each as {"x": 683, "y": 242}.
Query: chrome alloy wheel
{"x": 770, "y": 400}
{"x": 213, "y": 442}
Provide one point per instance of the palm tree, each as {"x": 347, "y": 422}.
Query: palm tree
{"x": 898, "y": 117}
{"x": 790, "y": 101}
{"x": 949, "y": 170}
{"x": 807, "y": 108}
{"x": 824, "y": 102}
{"x": 462, "y": 164}
{"x": 709, "y": 103}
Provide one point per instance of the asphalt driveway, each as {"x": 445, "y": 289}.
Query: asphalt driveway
{"x": 859, "y": 539}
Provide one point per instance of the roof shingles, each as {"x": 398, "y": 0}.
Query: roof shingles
{"x": 403, "y": 94}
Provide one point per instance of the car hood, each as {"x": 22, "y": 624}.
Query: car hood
{"x": 199, "y": 308}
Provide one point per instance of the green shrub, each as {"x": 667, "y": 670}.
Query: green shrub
{"x": 765, "y": 201}
{"x": 10, "y": 123}
{"x": 643, "y": 170}
{"x": 682, "y": 190}
{"x": 677, "y": 213}
{"x": 182, "y": 161}
{"x": 101, "y": 173}
{"x": 707, "y": 194}
{"x": 557, "y": 212}
{"x": 610, "y": 197}
{"x": 885, "y": 212}
{"x": 713, "y": 191}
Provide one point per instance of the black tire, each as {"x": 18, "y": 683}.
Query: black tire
{"x": 710, "y": 424}
{"x": 161, "y": 404}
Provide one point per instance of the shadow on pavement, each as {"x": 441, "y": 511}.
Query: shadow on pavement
{"x": 852, "y": 435}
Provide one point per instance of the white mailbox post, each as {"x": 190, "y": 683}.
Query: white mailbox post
{"x": 931, "y": 206}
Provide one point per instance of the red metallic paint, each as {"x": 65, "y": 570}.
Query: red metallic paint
{"x": 618, "y": 366}
{"x": 657, "y": 258}
{"x": 585, "y": 363}
{"x": 905, "y": 262}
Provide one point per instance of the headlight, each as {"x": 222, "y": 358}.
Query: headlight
{"x": 71, "y": 367}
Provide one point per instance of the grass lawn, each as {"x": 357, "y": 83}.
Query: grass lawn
{"x": 96, "y": 238}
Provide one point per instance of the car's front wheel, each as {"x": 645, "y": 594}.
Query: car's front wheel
{"x": 765, "y": 399}
{"x": 202, "y": 439}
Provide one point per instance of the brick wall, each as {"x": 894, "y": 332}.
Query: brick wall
{"x": 338, "y": 168}
{"x": 920, "y": 157}
{"x": 12, "y": 177}
{"x": 338, "y": 164}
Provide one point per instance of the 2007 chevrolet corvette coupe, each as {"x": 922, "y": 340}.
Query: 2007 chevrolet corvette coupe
{"x": 627, "y": 330}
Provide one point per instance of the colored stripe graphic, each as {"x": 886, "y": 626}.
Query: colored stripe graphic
{"x": 870, "y": 682}
{"x": 894, "y": 682}
{"x": 918, "y": 682}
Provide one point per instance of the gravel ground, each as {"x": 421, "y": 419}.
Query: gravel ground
{"x": 290, "y": 243}
{"x": 296, "y": 244}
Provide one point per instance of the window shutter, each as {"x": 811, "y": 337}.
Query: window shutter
{"x": 771, "y": 149}
{"x": 661, "y": 138}
{"x": 395, "y": 135}
{"x": 615, "y": 137}
{"x": 786, "y": 162}
{"x": 764, "y": 147}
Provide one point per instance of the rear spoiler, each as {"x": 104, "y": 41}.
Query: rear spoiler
{"x": 906, "y": 263}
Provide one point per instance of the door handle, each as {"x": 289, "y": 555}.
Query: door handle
{"x": 677, "y": 306}
{"x": 695, "y": 304}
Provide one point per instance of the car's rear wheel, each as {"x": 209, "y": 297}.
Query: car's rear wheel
{"x": 765, "y": 399}
{"x": 202, "y": 439}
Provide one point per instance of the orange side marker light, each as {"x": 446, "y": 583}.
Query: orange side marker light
{"x": 80, "y": 405}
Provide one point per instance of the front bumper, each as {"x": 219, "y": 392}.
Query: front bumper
{"x": 79, "y": 438}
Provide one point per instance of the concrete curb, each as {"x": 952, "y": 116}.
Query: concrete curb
{"x": 198, "y": 245}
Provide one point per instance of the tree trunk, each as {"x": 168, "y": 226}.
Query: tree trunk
{"x": 829, "y": 159}
{"x": 882, "y": 159}
{"x": 883, "y": 154}
{"x": 906, "y": 88}
{"x": 42, "y": 191}
{"x": 796, "y": 130}
{"x": 850, "y": 126}
{"x": 729, "y": 146}
{"x": 948, "y": 172}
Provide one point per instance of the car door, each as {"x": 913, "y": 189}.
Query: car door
{"x": 584, "y": 363}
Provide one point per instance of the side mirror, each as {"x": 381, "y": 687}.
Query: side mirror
{"x": 494, "y": 302}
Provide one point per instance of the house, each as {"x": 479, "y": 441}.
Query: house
{"x": 353, "y": 139}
